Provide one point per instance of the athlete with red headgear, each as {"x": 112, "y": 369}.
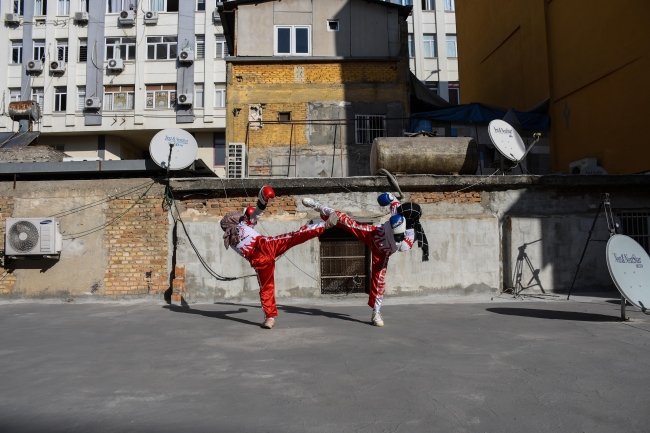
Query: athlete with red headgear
{"x": 262, "y": 251}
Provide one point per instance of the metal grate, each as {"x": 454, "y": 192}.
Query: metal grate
{"x": 236, "y": 160}
{"x": 344, "y": 264}
{"x": 368, "y": 127}
{"x": 635, "y": 225}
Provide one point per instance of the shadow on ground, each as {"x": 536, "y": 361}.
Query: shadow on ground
{"x": 553, "y": 314}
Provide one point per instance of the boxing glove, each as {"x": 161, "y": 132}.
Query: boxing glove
{"x": 398, "y": 224}
{"x": 266, "y": 193}
{"x": 386, "y": 199}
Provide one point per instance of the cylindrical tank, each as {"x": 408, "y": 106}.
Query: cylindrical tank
{"x": 424, "y": 155}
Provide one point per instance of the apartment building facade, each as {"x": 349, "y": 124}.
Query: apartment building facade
{"x": 433, "y": 46}
{"x": 110, "y": 74}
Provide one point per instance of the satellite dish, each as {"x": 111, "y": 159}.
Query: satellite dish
{"x": 184, "y": 149}
{"x": 629, "y": 266}
{"x": 507, "y": 141}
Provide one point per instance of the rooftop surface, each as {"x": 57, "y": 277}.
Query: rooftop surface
{"x": 490, "y": 366}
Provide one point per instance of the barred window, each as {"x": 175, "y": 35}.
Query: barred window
{"x": 83, "y": 50}
{"x": 344, "y": 263}
{"x": 636, "y": 224}
{"x": 368, "y": 127}
{"x": 200, "y": 46}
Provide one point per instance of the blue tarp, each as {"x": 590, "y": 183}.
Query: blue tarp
{"x": 476, "y": 113}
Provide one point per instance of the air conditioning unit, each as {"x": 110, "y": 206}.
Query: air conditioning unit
{"x": 236, "y": 160}
{"x": 12, "y": 18}
{"x": 33, "y": 237}
{"x": 185, "y": 99}
{"x": 126, "y": 18}
{"x": 116, "y": 65}
{"x": 81, "y": 17}
{"x": 216, "y": 18}
{"x": 151, "y": 17}
{"x": 34, "y": 66}
{"x": 57, "y": 66}
{"x": 186, "y": 56}
{"x": 93, "y": 103}
{"x": 586, "y": 166}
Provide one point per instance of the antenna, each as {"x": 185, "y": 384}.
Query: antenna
{"x": 508, "y": 141}
{"x": 173, "y": 149}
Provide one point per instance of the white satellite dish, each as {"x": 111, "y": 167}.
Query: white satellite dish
{"x": 629, "y": 266}
{"x": 183, "y": 147}
{"x": 507, "y": 140}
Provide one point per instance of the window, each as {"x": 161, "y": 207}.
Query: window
{"x": 219, "y": 98}
{"x": 369, "y": 127}
{"x": 83, "y": 49}
{"x": 16, "y": 52}
{"x": 198, "y": 95}
{"x": 83, "y": 6}
{"x": 428, "y": 5}
{"x": 19, "y": 7}
{"x": 200, "y": 5}
{"x": 117, "y": 6}
{"x": 454, "y": 93}
{"x": 164, "y": 5}
{"x": 62, "y": 50}
{"x": 284, "y": 116}
{"x": 450, "y": 5}
{"x": 160, "y": 96}
{"x": 60, "y": 98}
{"x": 221, "y": 48}
{"x": 635, "y": 224}
{"x": 219, "y": 149}
{"x": 119, "y": 98}
{"x": 39, "y": 49}
{"x": 292, "y": 40}
{"x": 120, "y": 48}
{"x": 343, "y": 262}
{"x": 452, "y": 49}
{"x": 81, "y": 97}
{"x": 332, "y": 25}
{"x": 430, "y": 46}
{"x": 15, "y": 95}
{"x": 37, "y": 95}
{"x": 200, "y": 47}
{"x": 40, "y": 7}
{"x": 162, "y": 47}
{"x": 411, "y": 43}
{"x": 63, "y": 7}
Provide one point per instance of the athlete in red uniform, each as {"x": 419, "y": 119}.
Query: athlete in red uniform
{"x": 262, "y": 251}
{"x": 383, "y": 239}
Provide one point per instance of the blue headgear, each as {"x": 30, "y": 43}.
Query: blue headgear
{"x": 398, "y": 224}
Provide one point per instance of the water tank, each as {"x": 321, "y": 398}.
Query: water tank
{"x": 424, "y": 155}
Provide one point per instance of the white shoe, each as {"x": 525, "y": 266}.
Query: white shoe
{"x": 310, "y": 202}
{"x": 331, "y": 221}
{"x": 377, "y": 319}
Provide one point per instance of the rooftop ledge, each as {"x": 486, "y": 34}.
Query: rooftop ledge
{"x": 306, "y": 59}
{"x": 412, "y": 183}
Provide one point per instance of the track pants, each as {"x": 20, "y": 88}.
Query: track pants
{"x": 266, "y": 250}
{"x": 366, "y": 234}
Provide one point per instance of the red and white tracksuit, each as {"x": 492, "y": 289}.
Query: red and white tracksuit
{"x": 262, "y": 251}
{"x": 382, "y": 245}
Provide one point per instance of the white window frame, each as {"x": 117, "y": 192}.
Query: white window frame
{"x": 40, "y": 13}
{"x": 170, "y": 105}
{"x": 18, "y": 7}
{"x": 428, "y": 5}
{"x": 83, "y": 5}
{"x": 39, "y": 94}
{"x": 83, "y": 42}
{"x": 162, "y": 42}
{"x": 367, "y": 127}
{"x": 220, "y": 44}
{"x": 433, "y": 46}
{"x": 117, "y": 48}
{"x": 17, "y": 46}
{"x": 60, "y": 99}
{"x": 165, "y": 6}
{"x": 292, "y": 40}
{"x": 39, "y": 48}
{"x": 453, "y": 41}
{"x": 62, "y": 50}
{"x": 125, "y": 6}
{"x": 199, "y": 95}
{"x": 109, "y": 98}
{"x": 63, "y": 7}
{"x": 199, "y": 41}
{"x": 219, "y": 98}
{"x": 450, "y": 5}
{"x": 411, "y": 44}
{"x": 81, "y": 98}
{"x": 15, "y": 95}
{"x": 198, "y": 2}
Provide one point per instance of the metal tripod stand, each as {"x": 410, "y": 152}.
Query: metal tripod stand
{"x": 605, "y": 206}
{"x": 519, "y": 270}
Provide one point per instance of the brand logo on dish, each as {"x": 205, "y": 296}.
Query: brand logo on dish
{"x": 624, "y": 258}
{"x": 176, "y": 140}
{"x": 503, "y": 131}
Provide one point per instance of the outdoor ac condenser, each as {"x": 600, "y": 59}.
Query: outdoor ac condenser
{"x": 33, "y": 237}
{"x": 81, "y": 17}
{"x": 57, "y": 66}
{"x": 236, "y": 160}
{"x": 151, "y": 17}
{"x": 126, "y": 18}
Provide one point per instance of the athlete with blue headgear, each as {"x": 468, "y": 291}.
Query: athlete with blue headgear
{"x": 383, "y": 239}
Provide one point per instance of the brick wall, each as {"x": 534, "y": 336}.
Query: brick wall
{"x": 7, "y": 277}
{"x": 221, "y": 206}
{"x": 137, "y": 246}
{"x": 448, "y": 197}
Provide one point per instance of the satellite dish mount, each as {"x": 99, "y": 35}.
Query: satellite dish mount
{"x": 509, "y": 143}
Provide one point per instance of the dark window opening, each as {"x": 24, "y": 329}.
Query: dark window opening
{"x": 219, "y": 149}
{"x": 344, "y": 263}
{"x": 284, "y": 41}
{"x": 333, "y": 25}
{"x": 636, "y": 224}
{"x": 284, "y": 116}
{"x": 172, "y": 5}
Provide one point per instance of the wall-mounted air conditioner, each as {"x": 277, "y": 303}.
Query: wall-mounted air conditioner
{"x": 126, "y": 18}
{"x": 151, "y": 17}
{"x": 12, "y": 18}
{"x": 236, "y": 160}
{"x": 185, "y": 99}
{"x": 216, "y": 18}
{"x": 57, "y": 66}
{"x": 93, "y": 103}
{"x": 186, "y": 56}
{"x": 116, "y": 65}
{"x": 586, "y": 166}
{"x": 81, "y": 17}
{"x": 34, "y": 66}
{"x": 33, "y": 237}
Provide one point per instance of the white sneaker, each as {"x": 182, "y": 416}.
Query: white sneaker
{"x": 310, "y": 202}
{"x": 331, "y": 221}
{"x": 377, "y": 319}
